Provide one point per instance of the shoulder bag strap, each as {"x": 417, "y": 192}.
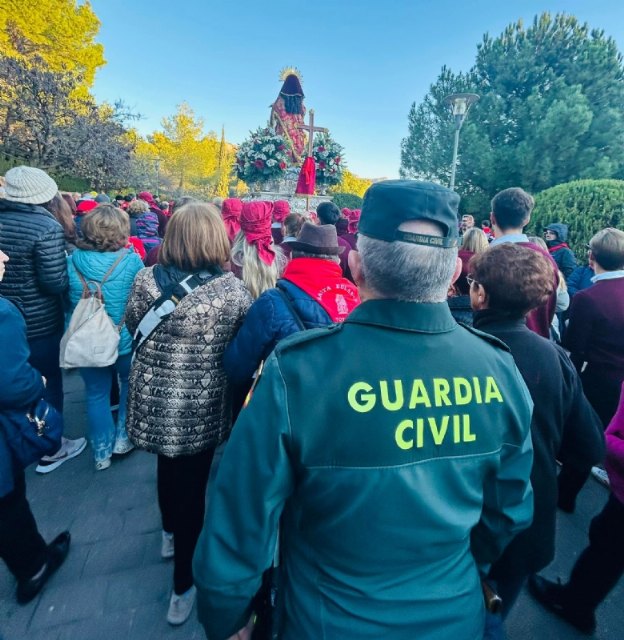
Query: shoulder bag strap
{"x": 107, "y": 275}
{"x": 291, "y": 307}
{"x": 166, "y": 304}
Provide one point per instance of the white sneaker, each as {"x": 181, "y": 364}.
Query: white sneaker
{"x": 601, "y": 476}
{"x": 166, "y": 548}
{"x": 122, "y": 447}
{"x": 180, "y": 607}
{"x": 69, "y": 449}
{"x": 103, "y": 464}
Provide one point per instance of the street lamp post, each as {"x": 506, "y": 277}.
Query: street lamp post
{"x": 460, "y": 103}
{"x": 157, "y": 164}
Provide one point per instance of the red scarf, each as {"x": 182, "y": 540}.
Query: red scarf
{"x": 322, "y": 280}
{"x": 562, "y": 245}
{"x": 255, "y": 222}
{"x": 231, "y": 212}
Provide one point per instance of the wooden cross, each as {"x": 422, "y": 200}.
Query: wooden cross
{"x": 311, "y": 130}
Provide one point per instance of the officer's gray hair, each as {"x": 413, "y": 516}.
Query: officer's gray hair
{"x": 408, "y": 272}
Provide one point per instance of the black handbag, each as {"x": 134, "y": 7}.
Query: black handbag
{"x": 33, "y": 434}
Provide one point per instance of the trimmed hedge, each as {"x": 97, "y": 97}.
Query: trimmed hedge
{"x": 348, "y": 200}
{"x": 586, "y": 206}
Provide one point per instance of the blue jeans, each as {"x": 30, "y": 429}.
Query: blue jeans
{"x": 103, "y": 433}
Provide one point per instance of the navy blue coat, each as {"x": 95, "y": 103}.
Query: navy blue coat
{"x": 20, "y": 384}
{"x": 268, "y": 321}
{"x": 581, "y": 278}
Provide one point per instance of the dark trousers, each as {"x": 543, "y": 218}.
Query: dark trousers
{"x": 21, "y": 546}
{"x": 601, "y": 564}
{"x": 44, "y": 356}
{"x": 603, "y": 393}
{"x": 181, "y": 496}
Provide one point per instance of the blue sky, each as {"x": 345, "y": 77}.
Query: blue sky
{"x": 363, "y": 62}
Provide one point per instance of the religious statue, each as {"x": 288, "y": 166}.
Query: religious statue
{"x": 287, "y": 114}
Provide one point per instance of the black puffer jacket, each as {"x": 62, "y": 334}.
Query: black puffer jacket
{"x": 36, "y": 274}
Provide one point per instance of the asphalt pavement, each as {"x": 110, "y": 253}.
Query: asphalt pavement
{"x": 115, "y": 586}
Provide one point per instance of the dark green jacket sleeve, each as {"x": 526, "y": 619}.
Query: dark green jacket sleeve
{"x": 245, "y": 503}
{"x": 507, "y": 493}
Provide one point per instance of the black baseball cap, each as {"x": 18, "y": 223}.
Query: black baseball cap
{"x": 390, "y": 203}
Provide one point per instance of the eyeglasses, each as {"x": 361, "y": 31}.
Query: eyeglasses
{"x": 470, "y": 280}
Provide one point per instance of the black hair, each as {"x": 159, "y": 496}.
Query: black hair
{"x": 293, "y": 104}
{"x": 328, "y": 213}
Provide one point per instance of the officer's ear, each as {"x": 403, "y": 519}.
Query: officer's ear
{"x": 355, "y": 265}
{"x": 458, "y": 270}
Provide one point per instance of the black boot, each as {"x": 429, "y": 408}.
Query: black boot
{"x": 554, "y": 596}
{"x": 57, "y": 552}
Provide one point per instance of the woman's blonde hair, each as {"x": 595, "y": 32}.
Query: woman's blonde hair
{"x": 475, "y": 240}
{"x": 195, "y": 238}
{"x": 105, "y": 228}
{"x": 257, "y": 275}
{"x": 137, "y": 207}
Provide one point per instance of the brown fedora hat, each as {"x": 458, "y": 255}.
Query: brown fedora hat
{"x": 314, "y": 238}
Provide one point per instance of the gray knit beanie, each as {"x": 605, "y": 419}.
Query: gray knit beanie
{"x": 29, "y": 185}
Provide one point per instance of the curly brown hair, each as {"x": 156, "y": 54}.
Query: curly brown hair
{"x": 105, "y": 228}
{"x": 516, "y": 279}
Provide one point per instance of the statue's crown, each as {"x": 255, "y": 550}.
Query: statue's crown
{"x": 290, "y": 71}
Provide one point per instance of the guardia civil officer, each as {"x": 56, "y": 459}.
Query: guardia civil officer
{"x": 393, "y": 449}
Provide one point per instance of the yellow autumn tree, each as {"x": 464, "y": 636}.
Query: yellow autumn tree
{"x": 188, "y": 155}
{"x": 58, "y": 33}
{"x": 351, "y": 183}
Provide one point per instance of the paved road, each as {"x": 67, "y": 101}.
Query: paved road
{"x": 114, "y": 585}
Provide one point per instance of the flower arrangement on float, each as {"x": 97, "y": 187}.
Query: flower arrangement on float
{"x": 328, "y": 159}
{"x": 262, "y": 158}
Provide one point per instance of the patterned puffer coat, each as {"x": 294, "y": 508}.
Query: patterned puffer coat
{"x": 179, "y": 399}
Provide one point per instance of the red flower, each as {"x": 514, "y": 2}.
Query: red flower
{"x": 281, "y": 147}
{"x": 282, "y": 165}
{"x": 321, "y": 149}
{"x": 322, "y": 165}
{"x": 259, "y": 164}
{"x": 337, "y": 159}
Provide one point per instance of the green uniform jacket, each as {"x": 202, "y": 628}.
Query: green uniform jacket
{"x": 396, "y": 450}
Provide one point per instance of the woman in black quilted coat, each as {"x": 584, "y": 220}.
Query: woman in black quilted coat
{"x": 35, "y": 280}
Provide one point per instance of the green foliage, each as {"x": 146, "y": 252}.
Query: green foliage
{"x": 69, "y": 183}
{"x": 348, "y": 200}
{"x": 586, "y": 206}
{"x": 550, "y": 112}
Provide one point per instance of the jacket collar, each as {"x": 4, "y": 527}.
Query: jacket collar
{"x": 420, "y": 317}
{"x": 22, "y": 207}
{"x": 491, "y": 319}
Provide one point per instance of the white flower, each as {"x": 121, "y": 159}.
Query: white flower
{"x": 271, "y": 163}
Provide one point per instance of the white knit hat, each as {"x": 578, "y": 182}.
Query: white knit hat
{"x": 29, "y": 185}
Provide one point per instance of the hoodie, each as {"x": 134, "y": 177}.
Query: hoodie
{"x": 559, "y": 250}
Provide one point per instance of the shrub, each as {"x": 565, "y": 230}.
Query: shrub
{"x": 348, "y": 200}
{"x": 586, "y": 206}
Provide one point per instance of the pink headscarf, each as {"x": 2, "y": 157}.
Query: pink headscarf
{"x": 354, "y": 219}
{"x": 231, "y": 213}
{"x": 255, "y": 222}
{"x": 345, "y": 212}
{"x": 281, "y": 209}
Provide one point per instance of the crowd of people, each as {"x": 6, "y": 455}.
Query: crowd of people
{"x": 403, "y": 400}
